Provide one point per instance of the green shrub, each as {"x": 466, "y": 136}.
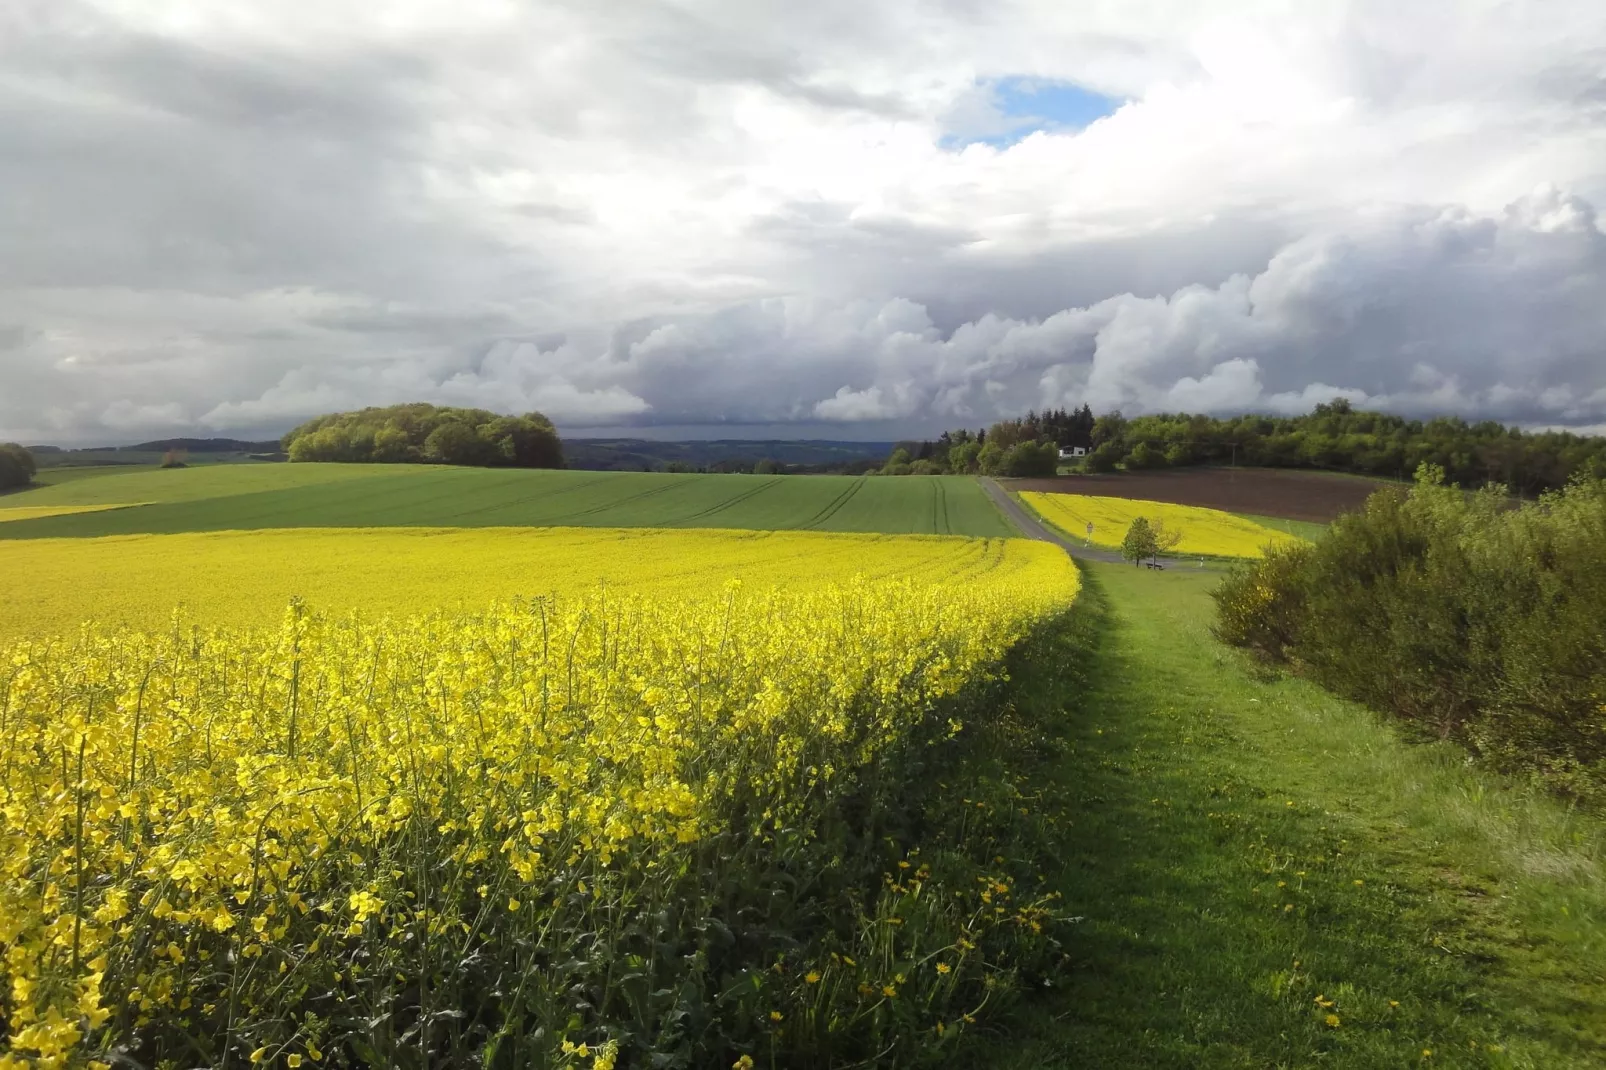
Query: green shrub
{"x": 1144, "y": 456}
{"x": 1032, "y": 459}
{"x": 17, "y": 466}
{"x": 1259, "y": 607}
{"x": 1458, "y": 613}
{"x": 1103, "y": 459}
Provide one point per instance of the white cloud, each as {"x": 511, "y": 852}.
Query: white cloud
{"x": 239, "y": 214}
{"x": 123, "y": 415}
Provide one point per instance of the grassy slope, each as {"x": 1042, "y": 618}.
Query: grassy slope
{"x": 109, "y": 485}
{"x": 276, "y": 496}
{"x": 1197, "y": 788}
{"x": 1305, "y": 529}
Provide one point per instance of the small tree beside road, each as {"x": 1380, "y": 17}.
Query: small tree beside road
{"x": 1139, "y": 542}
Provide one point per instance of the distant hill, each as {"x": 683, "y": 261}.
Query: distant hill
{"x": 595, "y": 454}
{"x": 206, "y": 445}
{"x": 637, "y": 455}
{"x": 199, "y": 450}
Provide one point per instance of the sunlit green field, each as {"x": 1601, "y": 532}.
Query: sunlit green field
{"x": 250, "y": 497}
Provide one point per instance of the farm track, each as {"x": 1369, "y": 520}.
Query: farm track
{"x": 1033, "y": 528}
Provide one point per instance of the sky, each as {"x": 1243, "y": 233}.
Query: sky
{"x": 739, "y": 218}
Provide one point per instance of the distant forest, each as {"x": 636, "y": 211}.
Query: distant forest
{"x": 1334, "y": 437}
{"x": 791, "y": 456}
{"x": 428, "y": 433}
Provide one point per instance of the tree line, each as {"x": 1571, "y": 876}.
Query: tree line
{"x": 17, "y": 466}
{"x": 1028, "y": 446}
{"x": 1335, "y": 437}
{"x": 428, "y": 434}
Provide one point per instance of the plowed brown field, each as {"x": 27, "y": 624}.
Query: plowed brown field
{"x": 1288, "y": 493}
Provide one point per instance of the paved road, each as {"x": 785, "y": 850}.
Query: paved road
{"x": 1033, "y": 528}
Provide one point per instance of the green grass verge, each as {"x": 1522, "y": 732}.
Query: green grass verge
{"x": 247, "y": 497}
{"x": 1246, "y": 845}
{"x": 1304, "y": 529}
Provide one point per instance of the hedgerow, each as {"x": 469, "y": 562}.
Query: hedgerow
{"x": 1464, "y": 615}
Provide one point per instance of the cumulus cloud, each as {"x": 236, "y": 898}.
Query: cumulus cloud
{"x": 1420, "y": 311}
{"x": 222, "y": 217}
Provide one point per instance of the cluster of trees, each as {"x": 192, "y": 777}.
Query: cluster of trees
{"x": 1455, "y": 612}
{"x": 1340, "y": 438}
{"x": 1335, "y": 437}
{"x": 1028, "y": 446}
{"x": 427, "y": 433}
{"x": 1025, "y": 447}
{"x": 16, "y": 466}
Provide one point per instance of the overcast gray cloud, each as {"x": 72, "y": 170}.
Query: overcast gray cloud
{"x": 222, "y": 217}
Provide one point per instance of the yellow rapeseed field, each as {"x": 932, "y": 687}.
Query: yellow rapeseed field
{"x": 1204, "y": 531}
{"x": 50, "y": 585}
{"x": 375, "y": 840}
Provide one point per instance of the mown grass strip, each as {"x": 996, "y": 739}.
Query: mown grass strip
{"x": 1254, "y": 856}
{"x": 1308, "y": 530}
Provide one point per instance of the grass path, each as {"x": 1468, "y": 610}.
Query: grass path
{"x": 1255, "y": 856}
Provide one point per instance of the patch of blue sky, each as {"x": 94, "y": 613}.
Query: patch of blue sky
{"x": 1016, "y": 107}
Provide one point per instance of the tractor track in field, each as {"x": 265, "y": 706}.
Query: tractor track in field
{"x": 834, "y": 505}
{"x": 615, "y": 503}
{"x": 543, "y": 496}
{"x": 720, "y": 507}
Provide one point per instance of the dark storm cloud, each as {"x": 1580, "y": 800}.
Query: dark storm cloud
{"x": 225, "y": 217}
{"x": 133, "y": 160}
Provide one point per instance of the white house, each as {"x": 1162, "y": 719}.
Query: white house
{"x": 1068, "y": 453}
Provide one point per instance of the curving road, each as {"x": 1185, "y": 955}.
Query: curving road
{"x": 1034, "y": 528}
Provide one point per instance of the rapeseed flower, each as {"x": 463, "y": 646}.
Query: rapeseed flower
{"x": 205, "y": 796}
{"x": 1202, "y": 531}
